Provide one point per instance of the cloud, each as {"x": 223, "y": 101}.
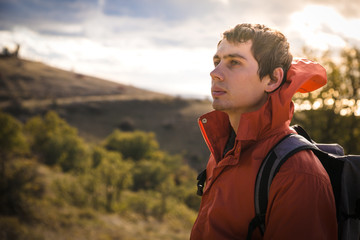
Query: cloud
{"x": 163, "y": 45}
{"x": 50, "y": 16}
{"x": 347, "y": 8}
{"x": 165, "y": 10}
{"x": 165, "y": 23}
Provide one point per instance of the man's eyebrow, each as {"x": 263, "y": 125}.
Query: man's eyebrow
{"x": 236, "y": 55}
{"x": 231, "y": 55}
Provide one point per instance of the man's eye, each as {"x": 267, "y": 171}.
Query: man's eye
{"x": 216, "y": 63}
{"x": 234, "y": 62}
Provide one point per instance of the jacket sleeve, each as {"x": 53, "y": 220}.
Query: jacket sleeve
{"x": 301, "y": 202}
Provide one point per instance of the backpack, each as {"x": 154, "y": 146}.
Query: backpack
{"x": 343, "y": 170}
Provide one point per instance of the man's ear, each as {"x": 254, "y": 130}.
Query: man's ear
{"x": 276, "y": 80}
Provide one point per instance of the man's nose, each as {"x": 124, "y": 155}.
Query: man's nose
{"x": 217, "y": 73}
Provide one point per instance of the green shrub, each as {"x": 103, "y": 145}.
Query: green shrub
{"x": 135, "y": 145}
{"x": 115, "y": 175}
{"x": 144, "y": 203}
{"x": 12, "y": 140}
{"x": 21, "y": 184}
{"x": 69, "y": 189}
{"x": 91, "y": 183}
{"x": 148, "y": 175}
{"x": 57, "y": 143}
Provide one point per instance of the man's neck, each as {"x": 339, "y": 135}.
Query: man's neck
{"x": 234, "y": 121}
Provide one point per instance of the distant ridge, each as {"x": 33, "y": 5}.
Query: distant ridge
{"x": 30, "y": 81}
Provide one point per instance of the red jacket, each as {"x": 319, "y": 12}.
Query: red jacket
{"x": 301, "y": 203}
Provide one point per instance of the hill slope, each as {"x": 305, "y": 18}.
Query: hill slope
{"x": 97, "y": 107}
{"x": 28, "y": 80}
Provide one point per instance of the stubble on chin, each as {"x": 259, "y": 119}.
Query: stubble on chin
{"x": 217, "y": 105}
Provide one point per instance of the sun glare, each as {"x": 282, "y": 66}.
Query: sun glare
{"x": 323, "y": 27}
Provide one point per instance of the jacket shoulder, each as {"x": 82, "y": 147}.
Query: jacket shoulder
{"x": 303, "y": 189}
{"x": 304, "y": 163}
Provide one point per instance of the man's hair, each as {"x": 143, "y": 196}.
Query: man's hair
{"x": 269, "y": 47}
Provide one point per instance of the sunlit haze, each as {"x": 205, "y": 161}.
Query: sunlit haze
{"x": 165, "y": 46}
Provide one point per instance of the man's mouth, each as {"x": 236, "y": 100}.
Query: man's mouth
{"x": 217, "y": 92}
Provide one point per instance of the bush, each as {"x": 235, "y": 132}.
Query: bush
{"x": 148, "y": 175}
{"x": 145, "y": 203}
{"x": 22, "y": 184}
{"x": 115, "y": 175}
{"x": 99, "y": 187}
{"x": 57, "y": 143}
{"x": 12, "y": 140}
{"x": 135, "y": 145}
{"x": 69, "y": 189}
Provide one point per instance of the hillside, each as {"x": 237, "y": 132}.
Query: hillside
{"x": 27, "y": 80}
{"x": 97, "y": 107}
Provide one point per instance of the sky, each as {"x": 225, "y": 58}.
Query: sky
{"x": 163, "y": 45}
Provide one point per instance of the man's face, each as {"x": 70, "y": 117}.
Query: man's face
{"x": 236, "y": 86}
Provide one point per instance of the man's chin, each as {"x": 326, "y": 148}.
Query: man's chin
{"x": 217, "y": 106}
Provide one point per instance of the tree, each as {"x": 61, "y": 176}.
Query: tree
{"x": 333, "y": 111}
{"x": 342, "y": 92}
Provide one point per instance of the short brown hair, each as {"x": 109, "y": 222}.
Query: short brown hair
{"x": 269, "y": 47}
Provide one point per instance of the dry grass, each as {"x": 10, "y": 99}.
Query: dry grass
{"x": 52, "y": 217}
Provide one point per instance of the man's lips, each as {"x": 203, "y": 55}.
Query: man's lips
{"x": 216, "y": 91}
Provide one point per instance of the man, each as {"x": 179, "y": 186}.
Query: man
{"x": 252, "y": 85}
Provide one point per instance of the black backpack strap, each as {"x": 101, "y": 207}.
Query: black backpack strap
{"x": 285, "y": 148}
{"x": 201, "y": 182}
{"x": 301, "y": 131}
